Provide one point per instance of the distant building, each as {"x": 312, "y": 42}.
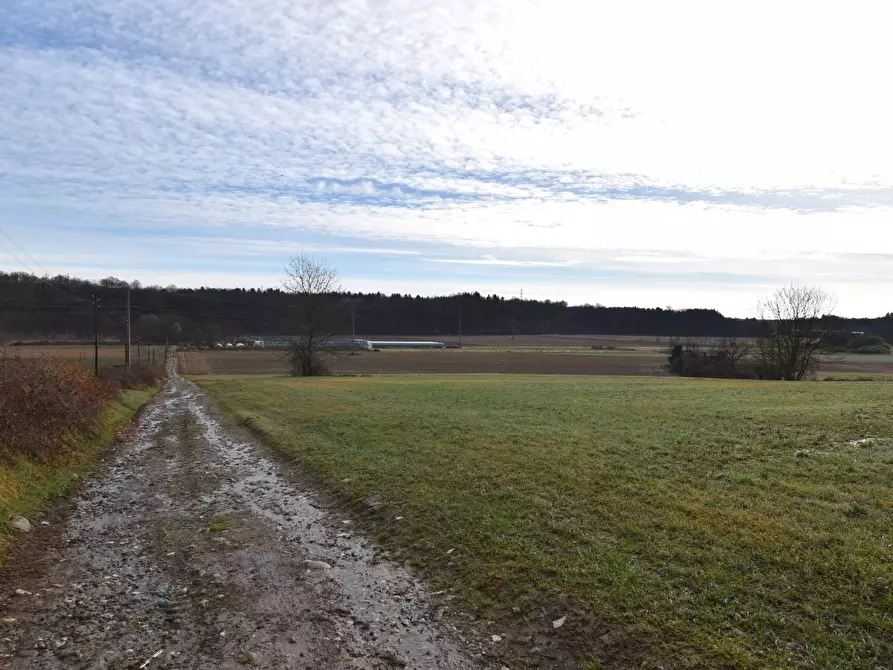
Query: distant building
{"x": 367, "y": 345}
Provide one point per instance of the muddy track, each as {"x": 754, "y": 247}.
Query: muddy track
{"x": 192, "y": 550}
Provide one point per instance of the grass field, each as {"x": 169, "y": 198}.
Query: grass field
{"x": 27, "y": 487}
{"x": 697, "y": 523}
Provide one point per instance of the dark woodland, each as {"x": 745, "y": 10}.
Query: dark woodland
{"x": 61, "y": 308}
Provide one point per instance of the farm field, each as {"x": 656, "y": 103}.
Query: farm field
{"x": 489, "y": 359}
{"x": 109, "y": 354}
{"x": 584, "y": 361}
{"x": 688, "y": 523}
{"x": 643, "y": 342}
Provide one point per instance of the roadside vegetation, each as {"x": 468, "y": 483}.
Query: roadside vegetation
{"x": 55, "y": 419}
{"x": 703, "y": 522}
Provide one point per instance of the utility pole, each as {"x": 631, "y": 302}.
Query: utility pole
{"x": 138, "y": 352}
{"x": 127, "y": 333}
{"x": 513, "y": 328}
{"x": 96, "y": 335}
{"x": 353, "y": 320}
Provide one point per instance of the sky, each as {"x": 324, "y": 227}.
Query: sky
{"x": 688, "y": 154}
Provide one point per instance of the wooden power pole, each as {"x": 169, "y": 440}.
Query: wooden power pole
{"x": 127, "y": 334}
{"x": 96, "y": 335}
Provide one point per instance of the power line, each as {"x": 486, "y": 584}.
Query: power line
{"x": 6, "y": 235}
{"x": 12, "y": 255}
{"x": 46, "y": 280}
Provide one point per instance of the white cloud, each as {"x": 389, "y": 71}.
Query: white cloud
{"x": 495, "y": 262}
{"x": 664, "y": 138}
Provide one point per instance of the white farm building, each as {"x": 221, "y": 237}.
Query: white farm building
{"x": 369, "y": 345}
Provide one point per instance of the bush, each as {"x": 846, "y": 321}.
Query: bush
{"x": 46, "y": 405}
{"x": 867, "y": 340}
{"x": 692, "y": 360}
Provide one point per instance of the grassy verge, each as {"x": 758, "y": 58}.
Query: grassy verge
{"x": 728, "y": 523}
{"x": 27, "y": 487}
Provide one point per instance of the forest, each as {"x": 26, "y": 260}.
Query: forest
{"x": 61, "y": 308}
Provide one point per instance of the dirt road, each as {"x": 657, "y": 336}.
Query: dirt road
{"x": 192, "y": 549}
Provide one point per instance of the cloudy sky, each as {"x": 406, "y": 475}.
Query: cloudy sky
{"x": 638, "y": 153}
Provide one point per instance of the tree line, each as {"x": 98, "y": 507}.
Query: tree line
{"x": 61, "y": 307}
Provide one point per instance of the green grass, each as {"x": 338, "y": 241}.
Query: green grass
{"x": 724, "y": 522}
{"x": 28, "y": 487}
{"x": 218, "y": 527}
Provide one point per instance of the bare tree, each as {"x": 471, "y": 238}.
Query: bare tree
{"x": 795, "y": 323}
{"x": 312, "y": 283}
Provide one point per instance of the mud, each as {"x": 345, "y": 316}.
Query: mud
{"x": 192, "y": 549}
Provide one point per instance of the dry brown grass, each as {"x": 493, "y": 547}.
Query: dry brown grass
{"x": 46, "y": 404}
{"x": 109, "y": 354}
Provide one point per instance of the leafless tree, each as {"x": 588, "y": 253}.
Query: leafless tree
{"x": 312, "y": 283}
{"x": 795, "y": 322}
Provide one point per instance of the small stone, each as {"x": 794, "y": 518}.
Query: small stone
{"x": 558, "y": 623}
{"x": 22, "y": 592}
{"x": 496, "y": 638}
{"x": 533, "y": 651}
{"x": 20, "y": 524}
{"x": 317, "y": 565}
